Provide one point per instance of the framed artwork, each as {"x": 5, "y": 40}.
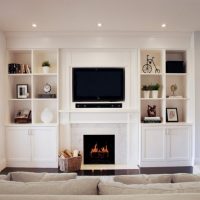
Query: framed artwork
{"x": 22, "y": 91}
{"x": 172, "y": 114}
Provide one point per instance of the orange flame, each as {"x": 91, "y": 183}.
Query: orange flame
{"x": 95, "y": 149}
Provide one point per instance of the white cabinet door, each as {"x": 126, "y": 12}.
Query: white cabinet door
{"x": 44, "y": 144}
{"x": 153, "y": 144}
{"x": 18, "y": 144}
{"x": 179, "y": 143}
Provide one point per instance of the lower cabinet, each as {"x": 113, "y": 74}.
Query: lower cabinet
{"x": 166, "y": 146}
{"x": 32, "y": 146}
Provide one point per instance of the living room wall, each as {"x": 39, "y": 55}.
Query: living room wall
{"x": 2, "y": 103}
{"x": 91, "y": 41}
{"x": 196, "y": 40}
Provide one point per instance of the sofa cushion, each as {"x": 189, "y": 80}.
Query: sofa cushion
{"x": 58, "y": 177}
{"x": 35, "y": 177}
{"x": 5, "y": 177}
{"x": 116, "y": 188}
{"x": 183, "y": 177}
{"x": 70, "y": 187}
{"x": 143, "y": 178}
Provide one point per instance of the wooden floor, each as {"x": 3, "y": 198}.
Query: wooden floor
{"x": 152, "y": 170}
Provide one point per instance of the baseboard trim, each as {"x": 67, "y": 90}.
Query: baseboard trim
{"x": 32, "y": 164}
{"x": 197, "y": 161}
{"x": 2, "y": 164}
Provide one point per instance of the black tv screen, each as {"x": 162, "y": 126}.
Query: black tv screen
{"x": 98, "y": 84}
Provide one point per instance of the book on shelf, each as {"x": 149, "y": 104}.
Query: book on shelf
{"x": 46, "y": 95}
{"x": 152, "y": 120}
{"x": 174, "y": 97}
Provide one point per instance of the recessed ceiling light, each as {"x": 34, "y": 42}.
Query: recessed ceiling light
{"x": 99, "y": 24}
{"x": 163, "y": 25}
{"x": 34, "y": 25}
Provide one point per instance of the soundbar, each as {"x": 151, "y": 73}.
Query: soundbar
{"x": 98, "y": 105}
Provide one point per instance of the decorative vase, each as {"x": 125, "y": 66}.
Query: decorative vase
{"x": 154, "y": 94}
{"x": 146, "y": 94}
{"x": 46, "y": 115}
{"x": 45, "y": 69}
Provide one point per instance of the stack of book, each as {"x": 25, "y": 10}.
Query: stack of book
{"x": 152, "y": 120}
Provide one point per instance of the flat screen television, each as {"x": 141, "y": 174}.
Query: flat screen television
{"x": 98, "y": 84}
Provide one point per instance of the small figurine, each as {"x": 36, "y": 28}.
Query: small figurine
{"x": 151, "y": 111}
{"x": 173, "y": 89}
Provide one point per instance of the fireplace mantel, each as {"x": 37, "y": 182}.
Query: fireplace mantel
{"x": 81, "y": 116}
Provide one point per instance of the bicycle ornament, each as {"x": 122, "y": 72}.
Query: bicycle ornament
{"x": 147, "y": 68}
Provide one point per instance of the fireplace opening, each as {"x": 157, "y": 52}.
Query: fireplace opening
{"x": 99, "y": 149}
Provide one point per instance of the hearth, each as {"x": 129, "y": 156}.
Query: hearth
{"x": 99, "y": 149}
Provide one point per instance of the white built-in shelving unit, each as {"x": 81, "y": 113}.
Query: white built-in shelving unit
{"x": 35, "y": 79}
{"x": 166, "y": 143}
{"x": 33, "y": 144}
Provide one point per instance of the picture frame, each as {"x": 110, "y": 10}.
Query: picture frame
{"x": 22, "y": 91}
{"x": 171, "y": 114}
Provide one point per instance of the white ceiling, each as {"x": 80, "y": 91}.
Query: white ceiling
{"x": 115, "y": 15}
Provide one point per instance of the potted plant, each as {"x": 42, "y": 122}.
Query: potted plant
{"x": 154, "y": 90}
{"x": 45, "y": 66}
{"x": 146, "y": 91}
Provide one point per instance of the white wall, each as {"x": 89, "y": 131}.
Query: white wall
{"x": 2, "y": 103}
{"x": 196, "y": 43}
{"x": 99, "y": 40}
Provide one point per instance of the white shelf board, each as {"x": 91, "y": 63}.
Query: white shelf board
{"x": 151, "y": 124}
{"x": 45, "y": 99}
{"x": 167, "y": 123}
{"x": 27, "y": 99}
{"x": 151, "y": 99}
{"x": 151, "y": 74}
{"x": 29, "y": 74}
{"x": 178, "y": 123}
{"x": 98, "y": 122}
{"x": 176, "y": 74}
{"x": 43, "y": 74}
{"x": 31, "y": 124}
{"x": 45, "y": 124}
{"x": 179, "y": 98}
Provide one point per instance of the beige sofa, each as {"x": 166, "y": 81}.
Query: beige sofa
{"x": 43, "y": 186}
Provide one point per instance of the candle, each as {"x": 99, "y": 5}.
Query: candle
{"x": 75, "y": 153}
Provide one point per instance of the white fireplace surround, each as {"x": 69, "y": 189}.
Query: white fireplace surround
{"x": 124, "y": 125}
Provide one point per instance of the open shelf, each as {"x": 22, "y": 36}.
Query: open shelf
{"x": 39, "y": 106}
{"x": 21, "y": 57}
{"x": 13, "y": 81}
{"x": 40, "y": 81}
{"x": 157, "y": 59}
{"x": 181, "y": 108}
{"x": 144, "y": 107}
{"x": 180, "y": 82}
{"x": 149, "y": 80}
{"x": 15, "y": 106}
{"x": 39, "y": 56}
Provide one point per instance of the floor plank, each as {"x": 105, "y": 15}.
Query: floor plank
{"x": 149, "y": 170}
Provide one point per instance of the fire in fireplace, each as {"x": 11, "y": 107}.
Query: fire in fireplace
{"x": 99, "y": 149}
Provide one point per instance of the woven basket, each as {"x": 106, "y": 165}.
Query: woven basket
{"x": 70, "y": 164}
